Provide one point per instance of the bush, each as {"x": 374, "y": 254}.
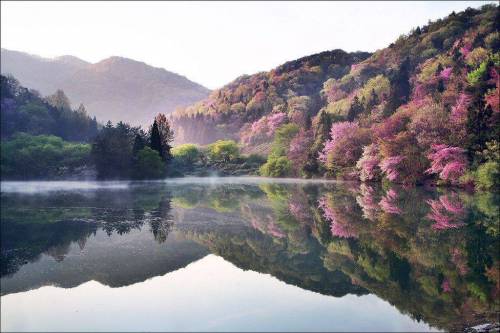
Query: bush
{"x": 478, "y": 75}
{"x": 487, "y": 176}
{"x": 223, "y": 151}
{"x": 282, "y": 139}
{"x": 42, "y": 156}
{"x": 276, "y": 167}
{"x": 149, "y": 165}
{"x": 186, "y": 154}
{"x": 255, "y": 159}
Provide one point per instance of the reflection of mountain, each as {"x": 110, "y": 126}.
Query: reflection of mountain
{"x": 26, "y": 242}
{"x": 250, "y": 250}
{"x": 432, "y": 255}
{"x": 116, "y": 261}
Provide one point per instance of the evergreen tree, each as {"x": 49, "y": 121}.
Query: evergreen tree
{"x": 400, "y": 88}
{"x": 139, "y": 144}
{"x": 357, "y": 108}
{"x": 321, "y": 134}
{"x": 166, "y": 136}
{"x": 155, "y": 139}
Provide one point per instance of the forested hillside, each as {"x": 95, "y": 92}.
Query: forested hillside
{"x": 424, "y": 108}
{"x": 44, "y": 138}
{"x": 116, "y": 88}
{"x": 293, "y": 88}
{"x": 24, "y": 110}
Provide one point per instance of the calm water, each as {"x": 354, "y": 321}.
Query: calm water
{"x": 245, "y": 254}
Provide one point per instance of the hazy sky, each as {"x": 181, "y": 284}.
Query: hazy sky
{"x": 210, "y": 42}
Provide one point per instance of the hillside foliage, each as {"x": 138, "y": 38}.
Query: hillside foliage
{"x": 423, "y": 109}
{"x": 24, "y": 110}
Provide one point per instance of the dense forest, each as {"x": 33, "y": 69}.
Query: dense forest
{"x": 424, "y": 109}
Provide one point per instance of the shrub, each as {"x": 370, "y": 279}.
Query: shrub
{"x": 282, "y": 139}
{"x": 186, "y": 154}
{"x": 223, "y": 151}
{"x": 27, "y": 156}
{"x": 477, "y": 75}
{"x": 476, "y": 57}
{"x": 149, "y": 165}
{"x": 255, "y": 159}
{"x": 276, "y": 167}
{"x": 487, "y": 176}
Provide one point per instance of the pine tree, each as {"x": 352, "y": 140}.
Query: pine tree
{"x": 166, "y": 136}
{"x": 156, "y": 139}
{"x": 139, "y": 144}
{"x": 357, "y": 108}
{"x": 321, "y": 134}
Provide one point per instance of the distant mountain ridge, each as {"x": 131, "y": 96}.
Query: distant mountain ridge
{"x": 113, "y": 89}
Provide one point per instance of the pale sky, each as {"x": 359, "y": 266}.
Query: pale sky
{"x": 211, "y": 43}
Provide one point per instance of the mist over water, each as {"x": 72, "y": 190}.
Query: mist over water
{"x": 46, "y": 186}
{"x": 245, "y": 253}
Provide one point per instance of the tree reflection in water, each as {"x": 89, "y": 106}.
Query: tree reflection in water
{"x": 434, "y": 255}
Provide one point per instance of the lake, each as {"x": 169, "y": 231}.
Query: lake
{"x": 246, "y": 254}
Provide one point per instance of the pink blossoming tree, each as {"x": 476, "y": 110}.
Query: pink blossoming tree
{"x": 299, "y": 150}
{"x": 368, "y": 163}
{"x": 450, "y": 163}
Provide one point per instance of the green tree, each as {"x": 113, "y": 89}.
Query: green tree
{"x": 186, "y": 154}
{"x": 43, "y": 156}
{"x": 276, "y": 167}
{"x": 166, "y": 136}
{"x": 162, "y": 136}
{"x": 357, "y": 108}
{"x": 281, "y": 143}
{"x": 155, "y": 139}
{"x": 223, "y": 151}
{"x": 112, "y": 150}
{"x": 149, "y": 165}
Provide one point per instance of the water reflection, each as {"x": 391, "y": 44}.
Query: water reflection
{"x": 432, "y": 254}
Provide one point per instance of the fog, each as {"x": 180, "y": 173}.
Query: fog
{"x": 48, "y": 186}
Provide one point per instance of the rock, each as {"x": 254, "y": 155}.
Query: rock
{"x": 484, "y": 328}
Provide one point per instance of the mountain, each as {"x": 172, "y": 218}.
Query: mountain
{"x": 113, "y": 89}
{"x": 423, "y": 108}
{"x": 228, "y": 111}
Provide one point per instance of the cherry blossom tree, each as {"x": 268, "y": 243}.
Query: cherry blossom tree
{"x": 345, "y": 146}
{"x": 459, "y": 110}
{"x": 369, "y": 162}
{"x": 299, "y": 149}
{"x": 446, "y": 73}
{"x": 450, "y": 163}
{"x": 389, "y": 166}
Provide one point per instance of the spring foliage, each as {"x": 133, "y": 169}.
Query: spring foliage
{"x": 424, "y": 109}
